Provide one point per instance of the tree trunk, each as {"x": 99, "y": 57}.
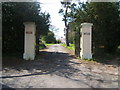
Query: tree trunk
{"x": 37, "y": 42}
{"x": 65, "y": 16}
{"x": 67, "y": 43}
{"x": 77, "y": 42}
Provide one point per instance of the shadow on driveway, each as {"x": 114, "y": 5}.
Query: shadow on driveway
{"x": 47, "y": 63}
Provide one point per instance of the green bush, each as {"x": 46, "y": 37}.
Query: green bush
{"x": 42, "y": 46}
{"x": 13, "y": 19}
{"x": 49, "y": 38}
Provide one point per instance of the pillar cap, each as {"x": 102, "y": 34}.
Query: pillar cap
{"x": 86, "y": 24}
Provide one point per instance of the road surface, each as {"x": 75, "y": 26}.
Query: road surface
{"x": 57, "y": 68}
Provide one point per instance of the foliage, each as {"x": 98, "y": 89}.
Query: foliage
{"x": 46, "y": 44}
{"x": 58, "y": 41}
{"x": 106, "y": 26}
{"x": 14, "y": 14}
{"x": 64, "y": 13}
{"x": 49, "y": 38}
{"x": 71, "y": 47}
{"x": 75, "y": 36}
{"x": 106, "y": 23}
{"x": 71, "y": 35}
{"x": 118, "y": 50}
{"x": 42, "y": 46}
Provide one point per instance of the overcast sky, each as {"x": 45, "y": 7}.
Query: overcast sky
{"x": 52, "y": 7}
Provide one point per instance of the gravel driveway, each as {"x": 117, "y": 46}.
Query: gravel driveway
{"x": 56, "y": 68}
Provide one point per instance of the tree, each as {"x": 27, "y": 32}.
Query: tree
{"x": 71, "y": 36}
{"x": 49, "y": 38}
{"x": 65, "y": 18}
{"x": 106, "y": 25}
{"x": 76, "y": 17}
{"x": 105, "y": 19}
{"x": 43, "y": 24}
{"x": 14, "y": 14}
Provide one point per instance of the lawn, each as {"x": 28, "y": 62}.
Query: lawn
{"x": 48, "y": 44}
{"x": 71, "y": 47}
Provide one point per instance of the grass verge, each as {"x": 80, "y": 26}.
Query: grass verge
{"x": 48, "y": 44}
{"x": 71, "y": 47}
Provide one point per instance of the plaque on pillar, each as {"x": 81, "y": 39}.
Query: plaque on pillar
{"x": 28, "y": 32}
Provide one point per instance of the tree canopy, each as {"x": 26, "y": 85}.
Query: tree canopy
{"x": 106, "y": 22}
{"x": 14, "y": 14}
{"x": 49, "y": 38}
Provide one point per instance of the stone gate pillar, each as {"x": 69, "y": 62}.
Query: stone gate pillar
{"x": 29, "y": 41}
{"x": 86, "y": 41}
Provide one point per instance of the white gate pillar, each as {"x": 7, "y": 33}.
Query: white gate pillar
{"x": 86, "y": 41}
{"x": 29, "y": 41}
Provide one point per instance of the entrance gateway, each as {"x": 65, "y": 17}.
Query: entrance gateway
{"x": 29, "y": 44}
